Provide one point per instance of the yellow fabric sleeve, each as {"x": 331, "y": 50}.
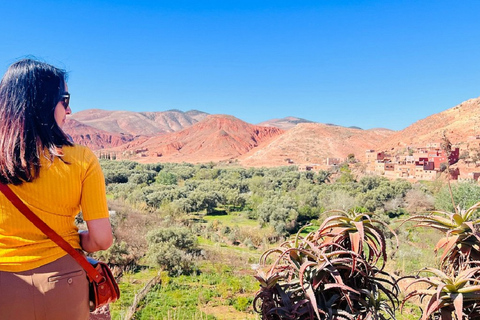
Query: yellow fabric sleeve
{"x": 62, "y": 190}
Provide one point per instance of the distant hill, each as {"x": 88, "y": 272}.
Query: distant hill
{"x": 138, "y": 123}
{"x": 284, "y": 123}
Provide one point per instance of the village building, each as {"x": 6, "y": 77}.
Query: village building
{"x": 310, "y": 167}
{"x": 474, "y": 176}
{"x": 334, "y": 161}
{"x": 406, "y": 171}
{"x": 305, "y": 168}
{"x": 370, "y": 156}
{"x": 423, "y": 163}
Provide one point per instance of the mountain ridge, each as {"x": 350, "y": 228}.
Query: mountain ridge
{"x": 195, "y": 136}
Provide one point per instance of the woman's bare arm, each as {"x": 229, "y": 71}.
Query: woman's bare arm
{"x": 98, "y": 237}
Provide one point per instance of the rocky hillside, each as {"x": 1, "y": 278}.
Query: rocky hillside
{"x": 93, "y": 137}
{"x": 309, "y": 143}
{"x": 458, "y": 123}
{"x": 138, "y": 123}
{"x": 215, "y": 138}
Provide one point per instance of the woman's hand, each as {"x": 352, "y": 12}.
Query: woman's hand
{"x": 98, "y": 237}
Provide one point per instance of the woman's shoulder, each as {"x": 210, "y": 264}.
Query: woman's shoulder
{"x": 78, "y": 152}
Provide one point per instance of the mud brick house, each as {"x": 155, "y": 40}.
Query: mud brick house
{"x": 334, "y": 161}
{"x": 474, "y": 175}
{"x": 310, "y": 167}
{"x": 406, "y": 171}
{"x": 370, "y": 156}
{"x": 454, "y": 174}
{"x": 439, "y": 156}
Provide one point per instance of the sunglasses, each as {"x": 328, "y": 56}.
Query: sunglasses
{"x": 65, "y": 99}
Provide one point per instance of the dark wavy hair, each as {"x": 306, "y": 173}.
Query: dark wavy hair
{"x": 29, "y": 93}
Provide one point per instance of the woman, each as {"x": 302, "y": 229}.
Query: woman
{"x": 56, "y": 179}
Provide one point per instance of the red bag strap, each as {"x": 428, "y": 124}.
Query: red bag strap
{"x": 92, "y": 273}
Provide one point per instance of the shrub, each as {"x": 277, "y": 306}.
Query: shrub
{"x": 175, "y": 261}
{"x": 129, "y": 229}
{"x": 331, "y": 199}
{"x": 166, "y": 178}
{"x": 118, "y": 255}
{"x": 418, "y": 199}
{"x": 143, "y": 177}
{"x": 116, "y": 176}
{"x": 178, "y": 237}
{"x": 465, "y": 194}
{"x": 242, "y": 303}
{"x": 173, "y": 249}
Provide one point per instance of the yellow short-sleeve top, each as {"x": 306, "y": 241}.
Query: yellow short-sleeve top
{"x": 62, "y": 190}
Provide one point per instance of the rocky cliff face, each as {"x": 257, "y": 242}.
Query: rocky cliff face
{"x": 93, "y": 137}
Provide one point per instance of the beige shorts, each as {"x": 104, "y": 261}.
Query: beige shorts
{"x": 58, "y": 290}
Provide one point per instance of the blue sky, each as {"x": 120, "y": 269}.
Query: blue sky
{"x": 352, "y": 63}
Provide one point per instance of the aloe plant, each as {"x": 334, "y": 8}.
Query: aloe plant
{"x": 358, "y": 232}
{"x": 461, "y": 242}
{"x": 454, "y": 290}
{"x": 449, "y": 296}
{"x": 330, "y": 273}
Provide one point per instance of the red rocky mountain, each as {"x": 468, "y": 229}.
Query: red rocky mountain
{"x": 215, "y": 138}
{"x": 100, "y": 129}
{"x": 93, "y": 137}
